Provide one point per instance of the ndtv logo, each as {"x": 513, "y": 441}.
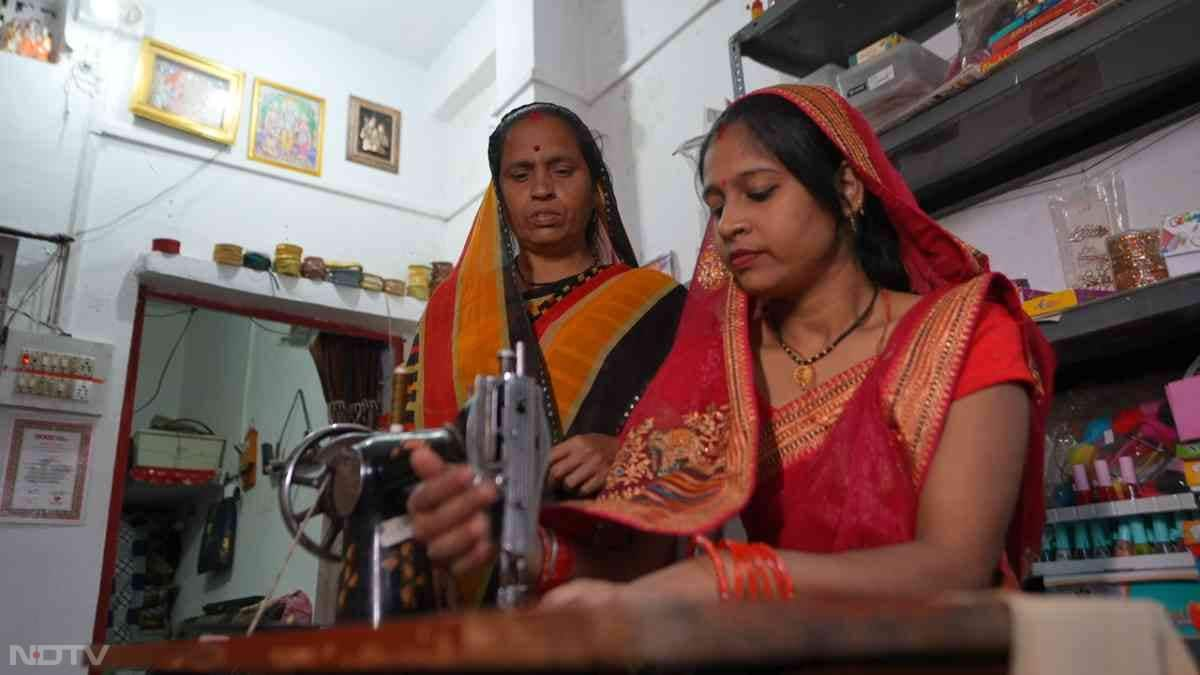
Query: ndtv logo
{"x": 55, "y": 655}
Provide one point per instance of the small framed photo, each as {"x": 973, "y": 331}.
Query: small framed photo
{"x": 287, "y": 127}
{"x": 373, "y": 135}
{"x": 187, "y": 92}
{"x": 664, "y": 263}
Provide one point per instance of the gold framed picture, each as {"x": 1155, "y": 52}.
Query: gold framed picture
{"x": 287, "y": 127}
{"x": 187, "y": 92}
{"x": 373, "y": 135}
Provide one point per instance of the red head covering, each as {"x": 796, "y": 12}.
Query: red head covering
{"x": 690, "y": 451}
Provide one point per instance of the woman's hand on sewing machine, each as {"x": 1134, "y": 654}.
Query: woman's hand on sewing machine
{"x": 581, "y": 463}
{"x": 449, "y": 512}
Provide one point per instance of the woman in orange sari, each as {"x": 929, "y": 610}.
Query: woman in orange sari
{"x": 848, "y": 378}
{"x": 547, "y": 263}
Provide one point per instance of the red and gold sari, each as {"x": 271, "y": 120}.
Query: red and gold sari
{"x": 842, "y": 467}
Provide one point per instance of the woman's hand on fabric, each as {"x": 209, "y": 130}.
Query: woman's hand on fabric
{"x": 449, "y": 512}
{"x": 587, "y": 594}
{"x": 581, "y": 463}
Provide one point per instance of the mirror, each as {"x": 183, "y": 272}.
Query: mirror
{"x": 220, "y": 400}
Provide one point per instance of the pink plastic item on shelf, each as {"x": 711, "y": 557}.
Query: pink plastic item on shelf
{"x": 1184, "y": 397}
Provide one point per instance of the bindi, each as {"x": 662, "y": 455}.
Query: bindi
{"x": 537, "y": 148}
{"x": 535, "y": 115}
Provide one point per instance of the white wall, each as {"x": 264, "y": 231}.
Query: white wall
{"x": 1160, "y": 174}
{"x": 163, "y": 326}
{"x": 102, "y": 169}
{"x": 647, "y": 115}
{"x": 257, "y": 393}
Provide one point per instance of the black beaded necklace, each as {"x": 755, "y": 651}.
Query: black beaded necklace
{"x": 804, "y": 373}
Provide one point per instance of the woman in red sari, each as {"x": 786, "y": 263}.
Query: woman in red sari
{"x": 848, "y": 378}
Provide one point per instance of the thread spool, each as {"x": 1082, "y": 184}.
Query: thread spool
{"x": 288, "y": 251}
{"x": 168, "y": 246}
{"x": 228, "y": 254}
{"x": 314, "y": 268}
{"x": 256, "y": 261}
{"x": 372, "y": 282}
{"x": 418, "y": 281}
{"x": 288, "y": 266}
{"x": 1137, "y": 258}
{"x": 394, "y": 287}
{"x": 440, "y": 271}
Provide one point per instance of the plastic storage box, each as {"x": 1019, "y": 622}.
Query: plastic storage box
{"x": 826, "y": 76}
{"x": 885, "y": 87}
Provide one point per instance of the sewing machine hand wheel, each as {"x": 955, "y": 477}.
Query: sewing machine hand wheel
{"x": 324, "y": 458}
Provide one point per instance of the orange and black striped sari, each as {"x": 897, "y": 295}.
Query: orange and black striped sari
{"x": 599, "y": 335}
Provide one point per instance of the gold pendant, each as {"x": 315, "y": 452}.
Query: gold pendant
{"x": 803, "y": 375}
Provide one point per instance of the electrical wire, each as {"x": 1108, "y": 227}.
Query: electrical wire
{"x": 35, "y": 287}
{"x": 268, "y": 329}
{"x": 44, "y": 324}
{"x": 162, "y": 375}
{"x": 148, "y": 315}
{"x": 115, "y": 221}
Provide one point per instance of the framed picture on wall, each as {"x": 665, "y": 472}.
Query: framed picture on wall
{"x": 373, "y": 135}
{"x": 187, "y": 92}
{"x": 287, "y": 127}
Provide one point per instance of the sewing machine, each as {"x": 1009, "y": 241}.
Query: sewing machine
{"x": 363, "y": 480}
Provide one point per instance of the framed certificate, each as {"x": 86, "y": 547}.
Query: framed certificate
{"x": 45, "y": 472}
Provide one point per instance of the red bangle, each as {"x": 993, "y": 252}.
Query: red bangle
{"x": 718, "y": 565}
{"x": 760, "y": 572}
{"x": 558, "y": 561}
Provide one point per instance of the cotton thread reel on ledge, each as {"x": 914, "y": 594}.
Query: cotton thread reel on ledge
{"x": 418, "y": 281}
{"x": 345, "y": 273}
{"x": 228, "y": 254}
{"x": 314, "y": 268}
{"x": 287, "y": 259}
{"x": 394, "y": 287}
{"x": 256, "y": 261}
{"x": 166, "y": 246}
{"x": 372, "y": 282}
{"x": 441, "y": 270}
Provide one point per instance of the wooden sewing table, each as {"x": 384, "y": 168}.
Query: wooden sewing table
{"x": 807, "y": 636}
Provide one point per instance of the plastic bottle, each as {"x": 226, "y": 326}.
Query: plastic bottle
{"x": 1101, "y": 547}
{"x": 1141, "y": 543}
{"x": 1062, "y": 542}
{"x": 1083, "y": 543}
{"x": 1083, "y": 490}
{"x": 1129, "y": 478}
{"x": 1103, "y": 490}
{"x": 1177, "y": 545}
{"x": 1161, "y": 534}
{"x": 1047, "y": 544}
{"x": 1123, "y": 546}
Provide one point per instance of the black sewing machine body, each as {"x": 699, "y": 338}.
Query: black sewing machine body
{"x": 364, "y": 478}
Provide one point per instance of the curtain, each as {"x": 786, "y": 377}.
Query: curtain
{"x": 351, "y": 372}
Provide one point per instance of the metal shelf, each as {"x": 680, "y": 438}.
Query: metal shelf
{"x": 1132, "y": 507}
{"x": 1121, "y": 75}
{"x": 799, "y": 36}
{"x": 1127, "y": 321}
{"x": 1134, "y": 563}
{"x": 1117, "y": 77}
